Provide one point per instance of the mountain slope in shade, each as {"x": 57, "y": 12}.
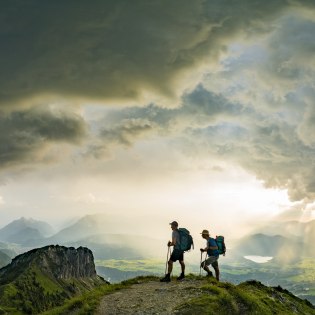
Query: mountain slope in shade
{"x": 288, "y": 228}
{"x": 45, "y": 277}
{"x": 266, "y": 245}
{"x": 121, "y": 246}
{"x": 13, "y": 229}
{"x": 86, "y": 226}
{"x": 300, "y": 234}
{"x": 25, "y": 237}
{"x": 4, "y": 259}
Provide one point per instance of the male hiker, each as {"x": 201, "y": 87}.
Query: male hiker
{"x": 177, "y": 254}
{"x": 213, "y": 255}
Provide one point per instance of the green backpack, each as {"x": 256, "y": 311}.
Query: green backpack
{"x": 186, "y": 240}
{"x": 221, "y": 245}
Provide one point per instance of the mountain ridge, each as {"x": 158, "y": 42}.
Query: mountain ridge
{"x": 13, "y": 231}
{"x": 44, "y": 277}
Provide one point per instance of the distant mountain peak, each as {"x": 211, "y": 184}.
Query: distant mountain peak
{"x": 17, "y": 227}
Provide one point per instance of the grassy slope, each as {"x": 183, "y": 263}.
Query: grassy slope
{"x": 298, "y": 278}
{"x": 250, "y": 297}
{"x": 148, "y": 265}
{"x": 33, "y": 291}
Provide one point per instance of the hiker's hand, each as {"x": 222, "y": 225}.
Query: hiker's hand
{"x": 169, "y": 243}
{"x": 202, "y": 250}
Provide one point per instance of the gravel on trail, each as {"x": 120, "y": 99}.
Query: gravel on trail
{"x": 151, "y": 297}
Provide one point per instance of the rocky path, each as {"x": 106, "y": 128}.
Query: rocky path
{"x": 151, "y": 297}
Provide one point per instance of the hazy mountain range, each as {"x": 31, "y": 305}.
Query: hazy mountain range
{"x": 92, "y": 231}
{"x": 282, "y": 240}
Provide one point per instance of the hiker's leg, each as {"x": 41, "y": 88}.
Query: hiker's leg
{"x": 215, "y": 266}
{"x": 206, "y": 268}
{"x": 217, "y": 273}
{"x": 204, "y": 265}
{"x": 182, "y": 264}
{"x": 170, "y": 266}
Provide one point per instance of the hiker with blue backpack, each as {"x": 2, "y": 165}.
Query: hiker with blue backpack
{"x": 214, "y": 248}
{"x": 181, "y": 242}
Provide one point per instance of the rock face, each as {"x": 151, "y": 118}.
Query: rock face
{"x": 45, "y": 277}
{"x": 58, "y": 261}
{"x": 69, "y": 262}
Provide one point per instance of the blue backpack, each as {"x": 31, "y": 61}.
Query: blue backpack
{"x": 186, "y": 240}
{"x": 221, "y": 245}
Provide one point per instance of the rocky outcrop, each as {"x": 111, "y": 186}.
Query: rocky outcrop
{"x": 58, "y": 262}
{"x": 45, "y": 277}
{"x": 67, "y": 262}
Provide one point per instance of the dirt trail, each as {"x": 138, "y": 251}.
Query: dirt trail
{"x": 151, "y": 297}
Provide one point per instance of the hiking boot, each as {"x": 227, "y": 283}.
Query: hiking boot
{"x": 182, "y": 276}
{"x": 210, "y": 274}
{"x": 167, "y": 278}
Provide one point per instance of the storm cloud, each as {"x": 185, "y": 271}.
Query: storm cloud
{"x": 238, "y": 77}
{"x": 26, "y": 135}
{"x": 265, "y": 144}
{"x": 118, "y": 49}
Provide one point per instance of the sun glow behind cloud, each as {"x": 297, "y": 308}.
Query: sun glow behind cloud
{"x": 187, "y": 110}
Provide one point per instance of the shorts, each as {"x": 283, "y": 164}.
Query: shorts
{"x": 177, "y": 255}
{"x": 211, "y": 260}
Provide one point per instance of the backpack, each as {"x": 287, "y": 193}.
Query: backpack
{"x": 221, "y": 245}
{"x": 186, "y": 240}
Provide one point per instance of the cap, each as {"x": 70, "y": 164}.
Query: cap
{"x": 174, "y": 223}
{"x": 205, "y": 232}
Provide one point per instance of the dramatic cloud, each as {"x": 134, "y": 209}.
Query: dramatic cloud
{"x": 158, "y": 85}
{"x": 118, "y": 49}
{"x": 25, "y": 135}
{"x": 127, "y": 132}
{"x": 265, "y": 144}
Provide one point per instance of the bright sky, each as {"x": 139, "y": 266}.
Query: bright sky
{"x": 201, "y": 111}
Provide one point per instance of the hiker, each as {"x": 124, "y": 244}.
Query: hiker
{"x": 213, "y": 255}
{"x": 177, "y": 254}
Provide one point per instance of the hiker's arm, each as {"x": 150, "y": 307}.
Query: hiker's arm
{"x": 211, "y": 247}
{"x": 172, "y": 243}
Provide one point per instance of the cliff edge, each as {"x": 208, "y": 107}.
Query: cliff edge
{"x": 45, "y": 277}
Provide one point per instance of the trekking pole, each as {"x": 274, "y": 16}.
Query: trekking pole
{"x": 206, "y": 258}
{"x": 168, "y": 252}
{"x": 200, "y": 263}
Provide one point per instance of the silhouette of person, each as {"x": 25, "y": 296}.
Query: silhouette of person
{"x": 177, "y": 254}
{"x": 213, "y": 255}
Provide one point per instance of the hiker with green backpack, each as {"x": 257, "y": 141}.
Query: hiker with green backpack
{"x": 214, "y": 248}
{"x": 181, "y": 242}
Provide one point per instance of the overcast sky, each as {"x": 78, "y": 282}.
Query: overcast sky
{"x": 201, "y": 111}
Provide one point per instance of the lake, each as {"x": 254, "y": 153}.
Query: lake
{"x": 259, "y": 259}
